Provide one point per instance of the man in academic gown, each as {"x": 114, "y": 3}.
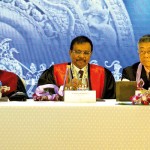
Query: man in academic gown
{"x": 140, "y": 71}
{"x": 99, "y": 78}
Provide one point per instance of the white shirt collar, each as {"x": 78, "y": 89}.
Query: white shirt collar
{"x": 76, "y": 68}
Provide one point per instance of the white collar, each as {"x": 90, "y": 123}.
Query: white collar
{"x": 77, "y": 69}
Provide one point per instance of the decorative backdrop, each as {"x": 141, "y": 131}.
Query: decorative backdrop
{"x": 34, "y": 34}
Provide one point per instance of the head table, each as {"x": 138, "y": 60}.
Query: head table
{"x": 73, "y": 126}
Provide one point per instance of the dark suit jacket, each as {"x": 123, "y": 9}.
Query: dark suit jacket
{"x": 130, "y": 74}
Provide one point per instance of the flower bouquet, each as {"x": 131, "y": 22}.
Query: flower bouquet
{"x": 48, "y": 92}
{"x": 141, "y": 97}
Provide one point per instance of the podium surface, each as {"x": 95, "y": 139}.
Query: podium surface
{"x": 58, "y": 125}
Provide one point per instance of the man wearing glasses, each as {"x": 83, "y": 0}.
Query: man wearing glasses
{"x": 140, "y": 71}
{"x": 83, "y": 74}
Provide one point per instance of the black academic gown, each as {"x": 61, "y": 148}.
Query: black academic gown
{"x": 47, "y": 77}
{"x": 130, "y": 74}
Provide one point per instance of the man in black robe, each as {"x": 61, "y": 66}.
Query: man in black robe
{"x": 140, "y": 71}
{"x": 99, "y": 78}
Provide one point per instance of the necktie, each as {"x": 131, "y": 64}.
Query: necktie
{"x": 81, "y": 73}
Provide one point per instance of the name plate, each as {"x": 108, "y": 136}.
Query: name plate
{"x": 80, "y": 96}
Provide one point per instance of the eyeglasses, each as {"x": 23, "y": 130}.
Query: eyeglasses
{"x": 144, "y": 52}
{"x": 78, "y": 52}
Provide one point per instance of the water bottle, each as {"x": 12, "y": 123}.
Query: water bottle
{"x": 68, "y": 79}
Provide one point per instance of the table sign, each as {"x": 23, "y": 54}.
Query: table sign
{"x": 80, "y": 96}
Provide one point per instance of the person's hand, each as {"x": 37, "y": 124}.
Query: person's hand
{"x": 74, "y": 84}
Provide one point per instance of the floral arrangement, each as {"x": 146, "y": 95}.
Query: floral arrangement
{"x": 141, "y": 96}
{"x": 45, "y": 93}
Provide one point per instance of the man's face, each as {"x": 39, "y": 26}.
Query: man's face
{"x": 80, "y": 54}
{"x": 144, "y": 54}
